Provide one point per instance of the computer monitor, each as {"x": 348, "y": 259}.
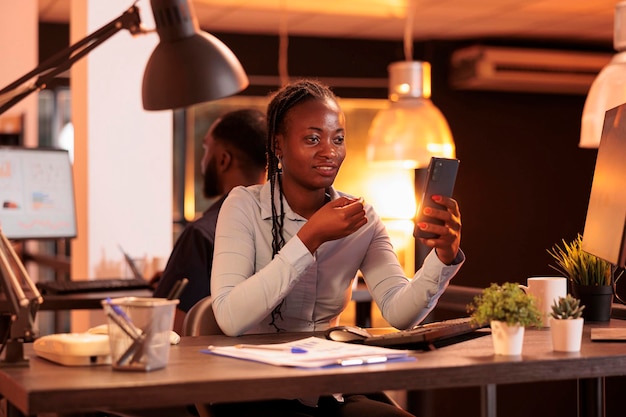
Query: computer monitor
{"x": 605, "y": 226}
{"x": 36, "y": 193}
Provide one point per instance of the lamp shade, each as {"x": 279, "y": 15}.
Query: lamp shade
{"x": 412, "y": 129}
{"x": 187, "y": 66}
{"x": 608, "y": 90}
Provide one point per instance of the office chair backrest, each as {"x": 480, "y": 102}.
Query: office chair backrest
{"x": 200, "y": 320}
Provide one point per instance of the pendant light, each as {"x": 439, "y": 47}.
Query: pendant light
{"x": 412, "y": 128}
{"x": 608, "y": 90}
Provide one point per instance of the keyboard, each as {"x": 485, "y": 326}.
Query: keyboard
{"x": 429, "y": 336}
{"x": 96, "y": 285}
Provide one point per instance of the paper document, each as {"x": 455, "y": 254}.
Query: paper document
{"x": 311, "y": 352}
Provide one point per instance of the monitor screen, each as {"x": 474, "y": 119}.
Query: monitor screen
{"x": 36, "y": 193}
{"x": 605, "y": 224}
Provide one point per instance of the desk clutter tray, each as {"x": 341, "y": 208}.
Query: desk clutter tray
{"x": 74, "y": 349}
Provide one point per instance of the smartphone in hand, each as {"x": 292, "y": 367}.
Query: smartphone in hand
{"x": 440, "y": 179}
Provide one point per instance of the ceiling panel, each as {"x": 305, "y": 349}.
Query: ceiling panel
{"x": 564, "y": 20}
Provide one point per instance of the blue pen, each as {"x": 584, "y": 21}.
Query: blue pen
{"x": 127, "y": 324}
{"x": 292, "y": 349}
{"x": 119, "y": 316}
{"x": 118, "y": 310}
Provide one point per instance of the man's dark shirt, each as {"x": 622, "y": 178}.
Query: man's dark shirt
{"x": 192, "y": 258}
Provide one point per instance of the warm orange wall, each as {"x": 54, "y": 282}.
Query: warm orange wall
{"x": 18, "y": 55}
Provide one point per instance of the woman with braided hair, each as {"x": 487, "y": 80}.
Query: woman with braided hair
{"x": 286, "y": 252}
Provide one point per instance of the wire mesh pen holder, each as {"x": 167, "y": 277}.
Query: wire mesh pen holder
{"x": 139, "y": 332}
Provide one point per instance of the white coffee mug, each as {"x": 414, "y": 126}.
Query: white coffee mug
{"x": 546, "y": 290}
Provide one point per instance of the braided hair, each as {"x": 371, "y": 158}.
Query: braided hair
{"x": 284, "y": 100}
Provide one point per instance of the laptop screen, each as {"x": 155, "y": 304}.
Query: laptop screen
{"x": 36, "y": 193}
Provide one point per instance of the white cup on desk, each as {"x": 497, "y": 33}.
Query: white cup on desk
{"x": 546, "y": 290}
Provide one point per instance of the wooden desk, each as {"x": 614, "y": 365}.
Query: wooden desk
{"x": 192, "y": 376}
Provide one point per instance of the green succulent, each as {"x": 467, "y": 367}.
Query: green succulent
{"x": 580, "y": 267}
{"x": 506, "y": 302}
{"x": 567, "y": 307}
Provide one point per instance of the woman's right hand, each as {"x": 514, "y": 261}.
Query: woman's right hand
{"x": 336, "y": 219}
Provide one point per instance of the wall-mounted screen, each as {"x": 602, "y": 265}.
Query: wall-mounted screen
{"x": 36, "y": 193}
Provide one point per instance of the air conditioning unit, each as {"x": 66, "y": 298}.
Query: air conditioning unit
{"x": 525, "y": 70}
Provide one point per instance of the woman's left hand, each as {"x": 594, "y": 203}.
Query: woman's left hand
{"x": 449, "y": 240}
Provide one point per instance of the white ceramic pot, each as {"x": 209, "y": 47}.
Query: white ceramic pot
{"x": 507, "y": 340}
{"x": 567, "y": 334}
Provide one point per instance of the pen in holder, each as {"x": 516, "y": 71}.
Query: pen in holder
{"x": 115, "y": 314}
{"x": 139, "y": 330}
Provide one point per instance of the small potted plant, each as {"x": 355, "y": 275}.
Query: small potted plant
{"x": 590, "y": 278}
{"x": 567, "y": 324}
{"x": 508, "y": 310}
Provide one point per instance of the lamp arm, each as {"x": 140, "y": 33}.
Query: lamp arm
{"x": 9, "y": 283}
{"x": 21, "y": 271}
{"x": 64, "y": 59}
{"x": 19, "y": 308}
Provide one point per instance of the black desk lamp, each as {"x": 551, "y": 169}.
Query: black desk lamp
{"x": 187, "y": 67}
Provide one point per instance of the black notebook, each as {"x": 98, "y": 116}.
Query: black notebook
{"x": 96, "y": 285}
